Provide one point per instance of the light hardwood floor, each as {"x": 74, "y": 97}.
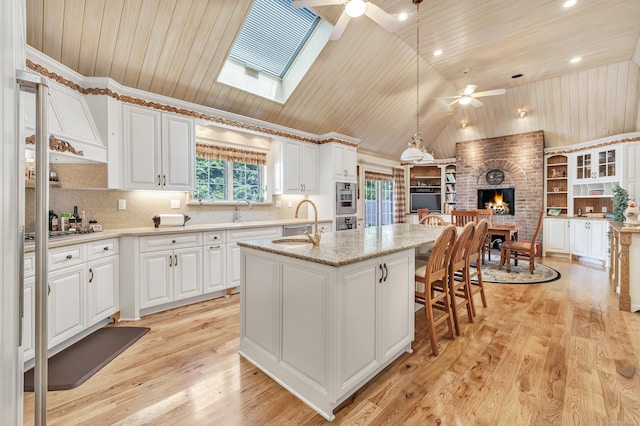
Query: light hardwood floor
{"x": 555, "y": 353}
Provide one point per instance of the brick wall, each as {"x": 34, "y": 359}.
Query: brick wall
{"x": 521, "y": 158}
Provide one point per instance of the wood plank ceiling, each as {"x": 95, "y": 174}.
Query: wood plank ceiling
{"x": 362, "y": 85}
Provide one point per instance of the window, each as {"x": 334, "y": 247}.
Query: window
{"x": 229, "y": 174}
{"x": 274, "y": 49}
{"x": 378, "y": 199}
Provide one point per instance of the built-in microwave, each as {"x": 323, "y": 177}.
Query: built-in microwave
{"x": 346, "y": 194}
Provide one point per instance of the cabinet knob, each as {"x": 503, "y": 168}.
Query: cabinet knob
{"x": 105, "y": 248}
{"x": 69, "y": 257}
{"x": 173, "y": 241}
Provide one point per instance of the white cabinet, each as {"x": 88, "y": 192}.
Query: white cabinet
{"x": 233, "y": 250}
{"x": 556, "y": 235}
{"x": 102, "y": 289}
{"x": 295, "y": 167}
{"x": 66, "y": 303}
{"x": 344, "y": 163}
{"x": 589, "y": 239}
{"x": 28, "y": 318}
{"x": 214, "y": 262}
{"x": 170, "y": 268}
{"x": 600, "y": 164}
{"x": 159, "y": 150}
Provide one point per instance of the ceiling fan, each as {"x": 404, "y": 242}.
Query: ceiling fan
{"x": 469, "y": 95}
{"x": 353, "y": 9}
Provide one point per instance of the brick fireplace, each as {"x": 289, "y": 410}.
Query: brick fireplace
{"x": 520, "y": 158}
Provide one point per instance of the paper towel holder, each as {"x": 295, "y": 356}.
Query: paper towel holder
{"x": 158, "y": 219}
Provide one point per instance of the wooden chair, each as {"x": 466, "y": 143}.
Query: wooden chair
{"x": 462, "y": 217}
{"x": 433, "y": 219}
{"x": 431, "y": 280}
{"x": 459, "y": 282}
{"x": 521, "y": 248}
{"x": 476, "y": 256}
{"x": 423, "y": 213}
{"x": 424, "y": 251}
{"x": 488, "y": 215}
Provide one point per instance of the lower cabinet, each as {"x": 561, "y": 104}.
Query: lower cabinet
{"x": 66, "y": 303}
{"x": 589, "y": 239}
{"x": 233, "y": 251}
{"x": 324, "y": 331}
{"x": 556, "y": 232}
{"x": 28, "y": 318}
{"x": 102, "y": 293}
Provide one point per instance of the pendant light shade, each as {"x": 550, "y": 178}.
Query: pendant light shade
{"x": 411, "y": 154}
{"x": 355, "y": 8}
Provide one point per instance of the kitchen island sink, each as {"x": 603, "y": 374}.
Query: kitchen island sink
{"x": 324, "y": 320}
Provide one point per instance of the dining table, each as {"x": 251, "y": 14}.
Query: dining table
{"x": 508, "y": 232}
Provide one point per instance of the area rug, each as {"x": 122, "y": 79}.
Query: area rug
{"x": 77, "y": 363}
{"x": 518, "y": 275}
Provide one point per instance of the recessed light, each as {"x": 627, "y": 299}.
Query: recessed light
{"x": 517, "y": 75}
{"x": 437, "y": 52}
{"x": 403, "y": 16}
{"x": 575, "y": 60}
{"x": 569, "y": 3}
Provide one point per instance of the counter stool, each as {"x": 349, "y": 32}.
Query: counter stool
{"x": 459, "y": 283}
{"x": 475, "y": 255}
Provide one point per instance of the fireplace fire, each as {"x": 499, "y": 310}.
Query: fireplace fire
{"x": 502, "y": 201}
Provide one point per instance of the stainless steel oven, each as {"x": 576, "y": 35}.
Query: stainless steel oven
{"x": 344, "y": 223}
{"x": 346, "y": 194}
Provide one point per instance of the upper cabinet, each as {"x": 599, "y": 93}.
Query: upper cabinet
{"x": 295, "y": 167}
{"x": 159, "y": 150}
{"x": 597, "y": 164}
{"x": 344, "y": 162}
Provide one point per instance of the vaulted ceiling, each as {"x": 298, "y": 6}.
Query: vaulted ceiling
{"x": 364, "y": 84}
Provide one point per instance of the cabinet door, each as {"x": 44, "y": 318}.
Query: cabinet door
{"x": 178, "y": 153}
{"x": 187, "y": 272}
{"x": 344, "y": 163}
{"x": 579, "y": 237}
{"x": 598, "y": 239}
{"x": 102, "y": 289}
{"x": 28, "y": 319}
{"x": 309, "y": 172}
{"x": 156, "y": 278}
{"x": 66, "y": 303}
{"x": 556, "y": 235}
{"x": 350, "y": 161}
{"x": 356, "y": 316}
{"x": 606, "y": 163}
{"x": 396, "y": 304}
{"x": 292, "y": 167}
{"x": 582, "y": 166}
{"x": 214, "y": 268}
{"x": 142, "y": 148}
{"x": 233, "y": 265}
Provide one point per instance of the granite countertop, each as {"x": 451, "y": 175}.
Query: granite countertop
{"x": 621, "y": 227}
{"x": 345, "y": 247}
{"x": 138, "y": 232}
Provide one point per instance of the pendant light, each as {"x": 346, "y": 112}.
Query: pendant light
{"x": 416, "y": 152}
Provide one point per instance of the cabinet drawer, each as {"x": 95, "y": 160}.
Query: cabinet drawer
{"x": 213, "y": 237}
{"x": 254, "y": 233}
{"x": 103, "y": 248}
{"x": 169, "y": 242}
{"x": 67, "y": 256}
{"x": 29, "y": 264}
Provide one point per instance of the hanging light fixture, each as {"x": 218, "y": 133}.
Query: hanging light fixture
{"x": 416, "y": 152}
{"x": 355, "y": 8}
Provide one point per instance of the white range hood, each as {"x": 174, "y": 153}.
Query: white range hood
{"x": 75, "y": 136}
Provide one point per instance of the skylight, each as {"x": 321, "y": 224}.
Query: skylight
{"x": 272, "y": 35}
{"x": 274, "y": 49}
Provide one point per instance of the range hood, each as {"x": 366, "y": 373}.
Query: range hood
{"x": 74, "y": 137}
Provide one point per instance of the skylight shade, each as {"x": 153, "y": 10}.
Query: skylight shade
{"x": 272, "y": 35}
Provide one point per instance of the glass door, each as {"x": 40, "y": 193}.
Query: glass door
{"x": 378, "y": 202}
{"x": 583, "y": 166}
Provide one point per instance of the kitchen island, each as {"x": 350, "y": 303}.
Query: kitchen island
{"x": 323, "y": 321}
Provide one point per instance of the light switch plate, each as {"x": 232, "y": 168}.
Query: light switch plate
{"x": 175, "y": 204}
{"x": 278, "y": 204}
{"x": 122, "y": 204}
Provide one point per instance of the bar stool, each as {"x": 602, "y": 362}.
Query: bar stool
{"x": 459, "y": 283}
{"x": 475, "y": 254}
{"x": 431, "y": 280}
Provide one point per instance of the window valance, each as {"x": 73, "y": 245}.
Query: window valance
{"x": 212, "y": 152}
{"x": 377, "y": 176}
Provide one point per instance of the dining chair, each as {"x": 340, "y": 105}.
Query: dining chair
{"x": 459, "y": 282}
{"x": 431, "y": 285}
{"x": 462, "y": 217}
{"x": 424, "y": 251}
{"x": 423, "y": 213}
{"x": 433, "y": 219}
{"x": 475, "y": 256}
{"x": 521, "y": 248}
{"x": 486, "y": 246}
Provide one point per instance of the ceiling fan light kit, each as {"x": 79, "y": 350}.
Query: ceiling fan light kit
{"x": 355, "y": 8}
{"x": 522, "y": 113}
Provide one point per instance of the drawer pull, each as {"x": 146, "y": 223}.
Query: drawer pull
{"x": 106, "y": 248}
{"x": 176, "y": 262}
{"x": 173, "y": 241}
{"x": 69, "y": 256}
{"x": 214, "y": 247}
{"x": 170, "y": 261}
{"x": 91, "y": 273}
{"x": 48, "y": 289}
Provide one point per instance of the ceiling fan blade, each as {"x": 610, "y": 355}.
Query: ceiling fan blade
{"x": 447, "y": 97}
{"x": 490, "y": 93}
{"x": 340, "y": 26}
{"x": 452, "y": 102}
{"x": 382, "y": 18}
{"x": 313, "y": 3}
{"x": 469, "y": 89}
{"x": 476, "y": 103}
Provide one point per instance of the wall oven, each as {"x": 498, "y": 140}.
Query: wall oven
{"x": 346, "y": 194}
{"x": 345, "y": 223}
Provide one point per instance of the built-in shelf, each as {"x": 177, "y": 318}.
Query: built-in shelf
{"x": 28, "y": 183}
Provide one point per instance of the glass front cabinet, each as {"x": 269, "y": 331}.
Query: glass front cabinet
{"x": 600, "y": 164}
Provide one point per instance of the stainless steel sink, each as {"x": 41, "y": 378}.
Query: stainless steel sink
{"x": 292, "y": 242}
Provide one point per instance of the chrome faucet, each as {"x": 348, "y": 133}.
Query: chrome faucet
{"x": 236, "y": 214}
{"x": 315, "y": 238}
